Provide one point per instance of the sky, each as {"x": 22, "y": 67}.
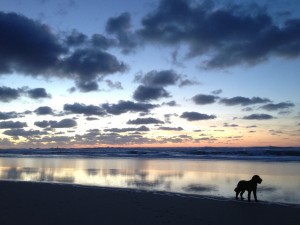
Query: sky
{"x": 149, "y": 73}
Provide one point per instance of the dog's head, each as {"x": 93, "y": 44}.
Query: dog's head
{"x": 257, "y": 179}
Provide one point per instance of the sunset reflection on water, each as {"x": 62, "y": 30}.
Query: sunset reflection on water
{"x": 281, "y": 180}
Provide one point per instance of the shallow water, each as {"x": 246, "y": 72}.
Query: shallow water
{"x": 281, "y": 180}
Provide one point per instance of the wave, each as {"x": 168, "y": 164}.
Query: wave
{"x": 250, "y": 153}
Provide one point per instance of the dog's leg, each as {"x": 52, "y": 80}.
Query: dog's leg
{"x": 242, "y": 194}
{"x": 249, "y": 196}
{"x": 254, "y": 194}
{"x": 237, "y": 194}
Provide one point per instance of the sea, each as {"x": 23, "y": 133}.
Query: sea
{"x": 204, "y": 172}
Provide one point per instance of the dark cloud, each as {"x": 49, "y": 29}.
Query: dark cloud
{"x": 192, "y": 116}
{"x": 171, "y": 128}
{"x": 238, "y": 36}
{"x": 8, "y": 94}
{"x": 8, "y": 115}
{"x": 12, "y": 125}
{"x": 187, "y": 82}
{"x": 42, "y": 124}
{"x": 75, "y": 38}
{"x": 88, "y": 110}
{"x": 26, "y": 45}
{"x": 230, "y": 125}
{"x": 159, "y": 78}
{"x": 23, "y": 133}
{"x": 100, "y": 41}
{"x": 217, "y": 92}
{"x": 146, "y": 93}
{"x": 127, "y": 106}
{"x": 243, "y": 101}
{"x": 29, "y": 47}
{"x": 201, "y": 99}
{"x": 128, "y": 129}
{"x": 88, "y": 65}
{"x": 170, "y": 103}
{"x": 65, "y": 123}
{"x": 278, "y": 106}
{"x": 121, "y": 27}
{"x": 148, "y": 120}
{"x": 258, "y": 117}
{"x": 38, "y": 93}
{"x": 114, "y": 85}
{"x": 44, "y": 110}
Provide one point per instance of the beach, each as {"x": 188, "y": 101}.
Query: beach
{"x": 43, "y": 203}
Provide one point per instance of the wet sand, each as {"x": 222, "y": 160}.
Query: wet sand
{"x": 41, "y": 204}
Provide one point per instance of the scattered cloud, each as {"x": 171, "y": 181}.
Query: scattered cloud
{"x": 12, "y": 125}
{"x": 217, "y": 92}
{"x": 201, "y": 99}
{"x": 278, "y": 106}
{"x": 171, "y": 128}
{"x": 192, "y": 116}
{"x": 258, "y": 117}
{"x": 127, "y": 106}
{"x": 128, "y": 129}
{"x": 44, "y": 110}
{"x": 148, "y": 120}
{"x": 23, "y": 133}
{"x": 239, "y": 36}
{"x": 87, "y": 110}
{"x": 38, "y": 93}
{"x": 64, "y": 123}
{"x": 243, "y": 101}
{"x": 8, "y": 94}
{"x": 146, "y": 93}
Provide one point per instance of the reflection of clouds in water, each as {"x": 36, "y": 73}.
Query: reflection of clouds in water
{"x": 92, "y": 172}
{"x": 200, "y": 188}
{"x": 144, "y": 183}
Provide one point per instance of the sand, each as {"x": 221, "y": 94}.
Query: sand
{"x": 41, "y": 204}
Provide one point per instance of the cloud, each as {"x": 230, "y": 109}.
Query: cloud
{"x": 238, "y": 36}
{"x": 201, "y": 99}
{"x": 146, "y": 93}
{"x": 258, "y": 117}
{"x": 128, "y": 129}
{"x": 278, "y": 106}
{"x": 65, "y": 123}
{"x": 12, "y": 125}
{"x": 148, "y": 120}
{"x": 159, "y": 78}
{"x": 217, "y": 92}
{"x": 127, "y": 106}
{"x": 170, "y": 103}
{"x": 8, "y": 115}
{"x": 171, "y": 128}
{"x": 29, "y": 47}
{"x": 44, "y": 110}
{"x": 87, "y": 110}
{"x": 243, "y": 101}
{"x": 75, "y": 38}
{"x": 121, "y": 27}
{"x": 87, "y": 65}
{"x": 26, "y": 45}
{"x": 23, "y": 133}
{"x": 8, "y": 94}
{"x": 192, "y": 116}
{"x": 114, "y": 85}
{"x": 38, "y": 93}
{"x": 230, "y": 125}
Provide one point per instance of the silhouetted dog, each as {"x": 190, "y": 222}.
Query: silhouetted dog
{"x": 249, "y": 186}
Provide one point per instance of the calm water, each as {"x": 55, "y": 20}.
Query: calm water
{"x": 281, "y": 180}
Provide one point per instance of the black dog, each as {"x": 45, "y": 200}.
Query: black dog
{"x": 249, "y": 186}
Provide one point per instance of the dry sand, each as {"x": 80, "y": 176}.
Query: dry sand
{"x": 41, "y": 204}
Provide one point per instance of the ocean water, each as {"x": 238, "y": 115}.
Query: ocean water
{"x": 210, "y": 172}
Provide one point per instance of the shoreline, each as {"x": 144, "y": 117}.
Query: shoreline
{"x": 54, "y": 203}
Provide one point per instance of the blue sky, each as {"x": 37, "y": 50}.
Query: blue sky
{"x": 149, "y": 73}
